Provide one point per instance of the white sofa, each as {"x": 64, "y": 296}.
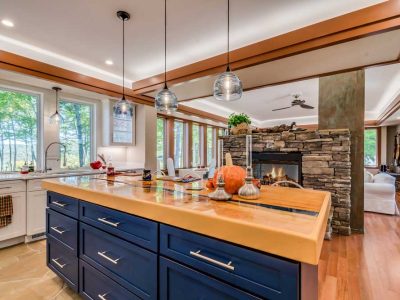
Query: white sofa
{"x": 380, "y": 193}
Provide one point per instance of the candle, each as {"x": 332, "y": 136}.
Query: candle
{"x": 249, "y": 152}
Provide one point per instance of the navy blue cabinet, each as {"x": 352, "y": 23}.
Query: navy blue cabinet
{"x": 137, "y": 230}
{"x": 253, "y": 271}
{"x": 178, "y": 282}
{"x": 131, "y": 266}
{"x": 108, "y": 254}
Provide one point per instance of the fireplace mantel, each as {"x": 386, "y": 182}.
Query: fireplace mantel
{"x": 325, "y": 163}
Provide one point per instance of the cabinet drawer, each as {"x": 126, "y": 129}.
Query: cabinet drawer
{"x": 263, "y": 275}
{"x": 94, "y": 285}
{"x": 131, "y": 228}
{"x": 62, "y": 228}
{"x": 131, "y": 266}
{"x": 179, "y": 282}
{"x": 34, "y": 185}
{"x": 12, "y": 186}
{"x": 63, "y": 204}
{"x": 63, "y": 262}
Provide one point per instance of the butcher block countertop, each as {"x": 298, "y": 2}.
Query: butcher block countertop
{"x": 286, "y": 222}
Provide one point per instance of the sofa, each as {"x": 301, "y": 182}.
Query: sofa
{"x": 380, "y": 193}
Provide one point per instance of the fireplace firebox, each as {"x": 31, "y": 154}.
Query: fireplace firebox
{"x": 270, "y": 167}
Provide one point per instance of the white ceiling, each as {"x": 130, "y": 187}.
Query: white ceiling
{"x": 80, "y": 35}
{"x": 382, "y": 86}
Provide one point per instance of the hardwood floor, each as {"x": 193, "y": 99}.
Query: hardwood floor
{"x": 358, "y": 267}
{"x": 363, "y": 266}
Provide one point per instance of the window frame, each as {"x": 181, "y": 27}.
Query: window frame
{"x": 39, "y": 121}
{"x": 165, "y": 143}
{"x": 93, "y": 131}
{"x": 378, "y": 147}
{"x": 169, "y": 139}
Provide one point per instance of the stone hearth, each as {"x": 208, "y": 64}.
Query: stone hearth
{"x": 325, "y": 164}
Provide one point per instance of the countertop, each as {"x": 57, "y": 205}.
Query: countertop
{"x": 286, "y": 222}
{"x": 54, "y": 174}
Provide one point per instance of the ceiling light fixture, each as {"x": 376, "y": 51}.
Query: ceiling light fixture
{"x": 122, "y": 107}
{"x": 166, "y": 100}
{"x": 109, "y": 62}
{"x": 228, "y": 87}
{"x": 7, "y": 23}
{"x": 56, "y": 118}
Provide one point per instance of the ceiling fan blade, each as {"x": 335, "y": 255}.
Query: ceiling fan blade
{"x": 281, "y": 108}
{"x": 306, "y": 106}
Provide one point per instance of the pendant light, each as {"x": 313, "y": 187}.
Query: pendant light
{"x": 166, "y": 100}
{"x": 56, "y": 118}
{"x": 228, "y": 87}
{"x": 123, "y": 107}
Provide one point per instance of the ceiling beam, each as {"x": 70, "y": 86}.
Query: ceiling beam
{"x": 371, "y": 20}
{"x": 16, "y": 63}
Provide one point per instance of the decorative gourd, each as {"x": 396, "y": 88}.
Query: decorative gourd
{"x": 233, "y": 176}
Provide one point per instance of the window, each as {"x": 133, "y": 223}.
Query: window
{"x": 221, "y": 132}
{"x": 371, "y": 147}
{"x": 211, "y": 144}
{"x": 196, "y": 145}
{"x": 76, "y": 132}
{"x": 19, "y": 119}
{"x": 161, "y": 149}
{"x": 179, "y": 148}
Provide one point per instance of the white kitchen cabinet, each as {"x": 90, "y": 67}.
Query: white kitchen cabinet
{"x": 18, "y": 226}
{"x": 36, "y": 212}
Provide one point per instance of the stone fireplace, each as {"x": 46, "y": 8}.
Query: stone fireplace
{"x": 271, "y": 167}
{"x": 322, "y": 159}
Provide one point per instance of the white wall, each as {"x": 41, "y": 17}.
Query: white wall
{"x": 143, "y": 154}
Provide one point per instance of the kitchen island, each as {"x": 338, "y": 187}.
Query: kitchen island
{"x": 126, "y": 239}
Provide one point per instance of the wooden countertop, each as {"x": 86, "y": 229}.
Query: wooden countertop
{"x": 284, "y": 221}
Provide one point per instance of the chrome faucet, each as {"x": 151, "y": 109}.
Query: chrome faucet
{"x": 45, "y": 155}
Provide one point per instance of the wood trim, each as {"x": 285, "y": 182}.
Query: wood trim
{"x": 317, "y": 75}
{"x": 371, "y": 20}
{"x": 16, "y": 63}
{"x": 204, "y": 130}
{"x": 390, "y": 110}
{"x": 190, "y": 143}
{"x": 170, "y": 138}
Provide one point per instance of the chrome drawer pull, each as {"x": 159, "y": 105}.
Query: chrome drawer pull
{"x": 60, "y": 204}
{"x": 103, "y": 254}
{"x": 55, "y": 260}
{"x": 58, "y": 230}
{"x": 104, "y": 220}
{"x": 102, "y": 297}
{"x": 216, "y": 262}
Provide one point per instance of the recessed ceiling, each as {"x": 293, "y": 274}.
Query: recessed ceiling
{"x": 80, "y": 35}
{"x": 381, "y": 89}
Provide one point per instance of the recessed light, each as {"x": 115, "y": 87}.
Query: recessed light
{"x": 109, "y": 62}
{"x": 7, "y": 23}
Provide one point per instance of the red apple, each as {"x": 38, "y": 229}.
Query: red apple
{"x": 96, "y": 164}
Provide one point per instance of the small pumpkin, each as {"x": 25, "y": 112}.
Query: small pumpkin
{"x": 233, "y": 176}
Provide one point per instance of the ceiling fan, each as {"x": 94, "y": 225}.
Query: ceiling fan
{"x": 296, "y": 101}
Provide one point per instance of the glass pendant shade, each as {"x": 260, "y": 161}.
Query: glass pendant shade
{"x": 166, "y": 101}
{"x": 55, "y": 118}
{"x": 228, "y": 87}
{"x": 122, "y": 107}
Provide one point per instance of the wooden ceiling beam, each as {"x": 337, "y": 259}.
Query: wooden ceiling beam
{"x": 371, "y": 20}
{"x": 16, "y": 63}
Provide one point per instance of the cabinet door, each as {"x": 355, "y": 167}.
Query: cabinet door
{"x": 18, "y": 226}
{"x": 180, "y": 282}
{"x": 36, "y": 212}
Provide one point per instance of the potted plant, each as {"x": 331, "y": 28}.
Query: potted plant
{"x": 239, "y": 123}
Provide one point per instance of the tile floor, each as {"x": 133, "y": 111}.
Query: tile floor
{"x": 25, "y": 276}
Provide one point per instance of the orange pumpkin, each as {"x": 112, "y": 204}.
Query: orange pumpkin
{"x": 233, "y": 176}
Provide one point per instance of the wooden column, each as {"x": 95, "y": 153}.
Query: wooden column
{"x": 342, "y": 105}
{"x": 170, "y": 138}
{"x": 189, "y": 144}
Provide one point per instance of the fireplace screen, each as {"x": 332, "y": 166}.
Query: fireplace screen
{"x": 273, "y": 167}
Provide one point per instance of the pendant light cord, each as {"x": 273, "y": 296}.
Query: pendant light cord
{"x": 165, "y": 44}
{"x": 56, "y": 101}
{"x": 228, "y": 68}
{"x": 123, "y": 59}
